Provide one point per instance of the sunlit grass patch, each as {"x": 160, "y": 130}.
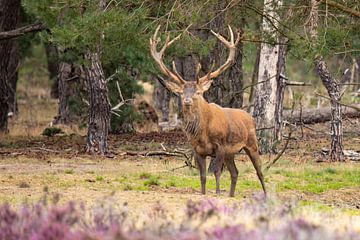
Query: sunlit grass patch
{"x": 152, "y": 181}
{"x": 69, "y": 171}
{"x": 317, "y": 179}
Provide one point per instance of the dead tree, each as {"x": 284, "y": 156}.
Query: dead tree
{"x": 336, "y": 149}
{"x": 9, "y": 18}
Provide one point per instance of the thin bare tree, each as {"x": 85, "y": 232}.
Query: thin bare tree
{"x": 332, "y": 86}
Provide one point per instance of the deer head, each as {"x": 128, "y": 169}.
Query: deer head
{"x": 190, "y": 91}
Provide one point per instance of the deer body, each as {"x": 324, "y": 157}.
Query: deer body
{"x": 212, "y": 130}
{"x": 227, "y": 127}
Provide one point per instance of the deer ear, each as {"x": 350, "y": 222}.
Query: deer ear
{"x": 205, "y": 85}
{"x": 173, "y": 87}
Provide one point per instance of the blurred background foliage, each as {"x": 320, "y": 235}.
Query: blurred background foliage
{"x": 123, "y": 30}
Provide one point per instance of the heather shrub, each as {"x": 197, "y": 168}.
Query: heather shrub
{"x": 256, "y": 218}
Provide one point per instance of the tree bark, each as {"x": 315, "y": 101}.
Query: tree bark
{"x": 332, "y": 87}
{"x": 65, "y": 73}
{"x": 254, "y": 77}
{"x": 13, "y": 70}
{"x": 9, "y": 17}
{"x": 266, "y": 91}
{"x": 162, "y": 101}
{"x": 236, "y": 82}
{"x": 53, "y": 68}
{"x": 281, "y": 83}
{"x": 99, "y": 111}
{"x": 216, "y": 93}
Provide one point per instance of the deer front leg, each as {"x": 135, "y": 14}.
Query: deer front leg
{"x": 220, "y": 159}
{"x": 201, "y": 162}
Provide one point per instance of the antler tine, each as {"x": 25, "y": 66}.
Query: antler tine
{"x": 176, "y": 72}
{"x": 211, "y": 68}
{"x": 231, "y": 45}
{"x": 156, "y": 33}
{"x": 159, "y": 55}
{"x": 200, "y": 80}
{"x": 231, "y": 35}
{"x": 198, "y": 69}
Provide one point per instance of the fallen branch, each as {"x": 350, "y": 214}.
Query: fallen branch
{"x": 349, "y": 154}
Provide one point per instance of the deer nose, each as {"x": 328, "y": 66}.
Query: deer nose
{"x": 187, "y": 101}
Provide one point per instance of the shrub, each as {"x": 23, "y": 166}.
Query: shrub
{"x": 205, "y": 219}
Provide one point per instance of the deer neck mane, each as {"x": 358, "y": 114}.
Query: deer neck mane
{"x": 194, "y": 122}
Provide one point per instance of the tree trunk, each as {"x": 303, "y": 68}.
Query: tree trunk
{"x": 254, "y": 77}
{"x": 266, "y": 90}
{"x": 99, "y": 112}
{"x": 332, "y": 87}
{"x": 216, "y": 93}
{"x": 161, "y": 100}
{"x": 65, "y": 73}
{"x": 53, "y": 68}
{"x": 13, "y": 71}
{"x": 9, "y": 18}
{"x": 281, "y": 83}
{"x": 235, "y": 79}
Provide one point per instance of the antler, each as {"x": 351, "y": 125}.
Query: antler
{"x": 159, "y": 55}
{"x": 232, "y": 47}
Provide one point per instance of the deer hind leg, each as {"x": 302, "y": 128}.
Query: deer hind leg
{"x": 255, "y": 159}
{"x": 219, "y": 159}
{"x": 201, "y": 162}
{"x": 230, "y": 164}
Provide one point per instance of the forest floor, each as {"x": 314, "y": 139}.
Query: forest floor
{"x": 33, "y": 166}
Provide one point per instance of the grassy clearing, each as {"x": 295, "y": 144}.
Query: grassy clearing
{"x": 24, "y": 179}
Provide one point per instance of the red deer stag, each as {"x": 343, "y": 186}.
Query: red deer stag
{"x": 212, "y": 130}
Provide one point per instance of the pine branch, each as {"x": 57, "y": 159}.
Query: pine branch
{"x": 341, "y": 7}
{"x": 21, "y": 31}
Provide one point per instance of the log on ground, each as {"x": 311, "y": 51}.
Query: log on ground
{"x": 320, "y": 115}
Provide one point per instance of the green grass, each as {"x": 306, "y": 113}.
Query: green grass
{"x": 69, "y": 171}
{"x": 99, "y": 178}
{"x": 314, "y": 179}
{"x": 152, "y": 181}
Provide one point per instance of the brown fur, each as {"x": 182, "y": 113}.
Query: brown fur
{"x": 212, "y": 130}
{"x": 219, "y": 132}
